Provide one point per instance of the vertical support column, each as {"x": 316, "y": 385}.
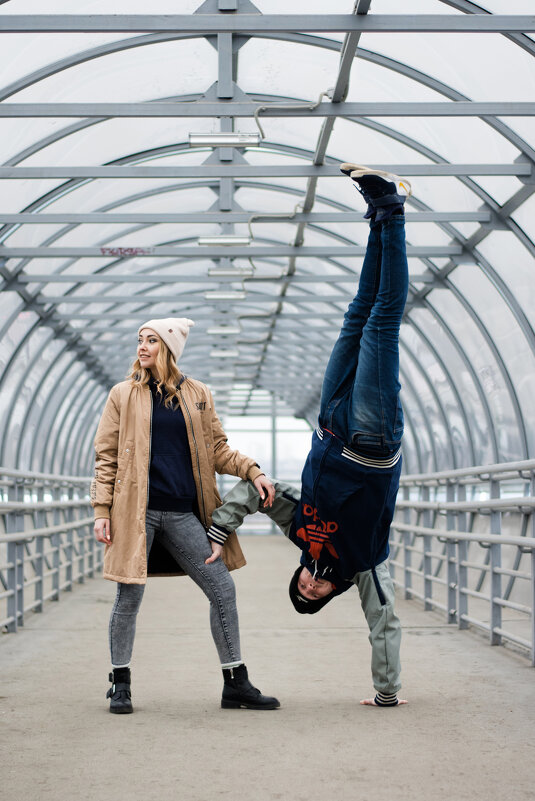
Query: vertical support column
{"x": 39, "y": 559}
{"x": 81, "y": 537}
{"x": 55, "y": 541}
{"x": 225, "y": 82}
{"x": 533, "y": 579}
{"x": 274, "y": 468}
{"x": 427, "y": 567}
{"x": 15, "y": 558}
{"x": 495, "y": 562}
{"x": 462, "y": 570}
{"x": 451, "y": 567}
{"x": 91, "y": 545}
{"x": 407, "y": 553}
{"x": 69, "y": 548}
{"x": 533, "y": 608}
{"x": 12, "y": 613}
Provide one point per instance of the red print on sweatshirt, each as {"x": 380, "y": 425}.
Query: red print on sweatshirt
{"x": 316, "y": 533}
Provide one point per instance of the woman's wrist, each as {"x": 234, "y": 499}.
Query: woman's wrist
{"x": 254, "y": 472}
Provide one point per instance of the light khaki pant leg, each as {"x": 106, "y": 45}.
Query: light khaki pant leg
{"x": 384, "y": 625}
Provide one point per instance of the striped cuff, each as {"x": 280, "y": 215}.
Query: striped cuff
{"x": 217, "y": 534}
{"x": 382, "y": 699}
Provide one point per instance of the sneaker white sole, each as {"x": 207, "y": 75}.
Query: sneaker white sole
{"x": 403, "y": 187}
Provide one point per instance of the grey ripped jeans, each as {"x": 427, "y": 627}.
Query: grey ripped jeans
{"x": 185, "y": 538}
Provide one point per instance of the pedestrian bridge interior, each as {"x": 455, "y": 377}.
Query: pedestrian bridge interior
{"x": 187, "y": 164}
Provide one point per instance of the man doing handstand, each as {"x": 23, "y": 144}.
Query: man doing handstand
{"x": 341, "y": 518}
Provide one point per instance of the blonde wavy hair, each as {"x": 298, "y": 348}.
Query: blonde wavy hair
{"x": 167, "y": 370}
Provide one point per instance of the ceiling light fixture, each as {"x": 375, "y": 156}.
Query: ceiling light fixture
{"x": 219, "y": 353}
{"x": 220, "y": 295}
{"x": 223, "y": 330}
{"x": 224, "y": 139}
{"x": 221, "y": 388}
{"x": 224, "y": 240}
{"x": 221, "y": 375}
{"x": 229, "y": 272}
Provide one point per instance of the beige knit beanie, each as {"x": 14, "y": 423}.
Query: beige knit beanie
{"x": 173, "y": 330}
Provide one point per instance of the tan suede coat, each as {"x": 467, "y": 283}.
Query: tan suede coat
{"x": 119, "y": 490}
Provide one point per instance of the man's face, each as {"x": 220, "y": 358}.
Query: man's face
{"x": 313, "y": 588}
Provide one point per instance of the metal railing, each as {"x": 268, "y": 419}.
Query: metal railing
{"x": 463, "y": 542}
{"x": 46, "y": 541}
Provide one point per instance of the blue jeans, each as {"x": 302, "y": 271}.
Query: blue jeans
{"x": 360, "y": 394}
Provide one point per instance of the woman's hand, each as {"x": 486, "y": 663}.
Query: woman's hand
{"x": 217, "y": 550}
{"x": 103, "y": 530}
{"x": 265, "y": 489}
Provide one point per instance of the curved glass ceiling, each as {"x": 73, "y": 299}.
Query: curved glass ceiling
{"x": 106, "y": 202}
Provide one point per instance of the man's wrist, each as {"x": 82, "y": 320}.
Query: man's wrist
{"x": 217, "y": 534}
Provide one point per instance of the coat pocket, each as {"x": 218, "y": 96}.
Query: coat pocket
{"x": 125, "y": 460}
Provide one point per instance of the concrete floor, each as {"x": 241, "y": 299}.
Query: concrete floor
{"x": 467, "y": 732}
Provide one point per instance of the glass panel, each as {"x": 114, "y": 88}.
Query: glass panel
{"x": 17, "y": 388}
{"x": 462, "y": 374}
{"x": 449, "y": 365}
{"x": 519, "y": 362}
{"x": 486, "y": 369}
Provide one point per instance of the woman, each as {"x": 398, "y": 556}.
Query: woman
{"x": 158, "y": 445}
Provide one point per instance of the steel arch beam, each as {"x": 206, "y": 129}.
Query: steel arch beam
{"x": 252, "y": 24}
{"x": 245, "y": 109}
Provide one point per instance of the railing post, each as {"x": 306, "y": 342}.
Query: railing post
{"x": 532, "y": 485}
{"x": 39, "y": 560}
{"x": 55, "y": 541}
{"x": 68, "y": 517}
{"x": 495, "y": 562}
{"x": 81, "y": 543}
{"x": 91, "y": 555}
{"x": 533, "y": 608}
{"x": 406, "y": 535}
{"x": 15, "y": 558}
{"x": 451, "y": 568}
{"x": 427, "y": 566}
{"x": 462, "y": 570}
{"x": 12, "y": 611}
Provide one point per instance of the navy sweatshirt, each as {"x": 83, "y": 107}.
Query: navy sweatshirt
{"x": 342, "y": 521}
{"x": 171, "y": 483}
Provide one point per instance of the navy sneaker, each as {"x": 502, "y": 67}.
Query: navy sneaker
{"x": 384, "y": 192}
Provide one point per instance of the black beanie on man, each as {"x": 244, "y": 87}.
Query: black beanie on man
{"x": 304, "y": 605}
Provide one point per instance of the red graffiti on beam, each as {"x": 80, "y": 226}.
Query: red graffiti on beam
{"x": 126, "y": 251}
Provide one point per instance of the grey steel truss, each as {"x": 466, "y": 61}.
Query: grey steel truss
{"x": 90, "y": 250}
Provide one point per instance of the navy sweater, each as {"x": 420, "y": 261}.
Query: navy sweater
{"x": 171, "y": 483}
{"x": 343, "y": 518}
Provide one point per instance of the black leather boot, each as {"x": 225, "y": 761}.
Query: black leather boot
{"x": 119, "y": 692}
{"x": 239, "y": 693}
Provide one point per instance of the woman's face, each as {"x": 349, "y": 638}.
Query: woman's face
{"x": 148, "y": 345}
